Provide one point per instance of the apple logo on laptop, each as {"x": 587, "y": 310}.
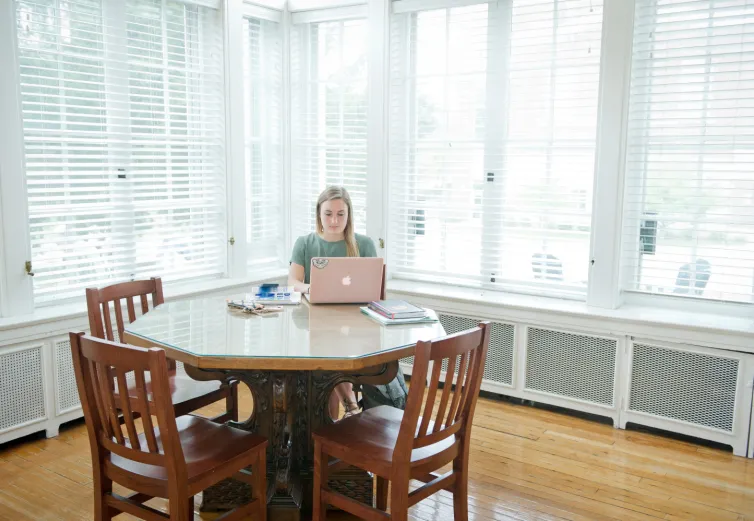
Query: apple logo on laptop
{"x": 347, "y": 280}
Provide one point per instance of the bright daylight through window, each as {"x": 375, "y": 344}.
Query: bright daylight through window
{"x": 492, "y": 141}
{"x": 689, "y": 198}
{"x": 329, "y": 116}
{"x": 124, "y": 141}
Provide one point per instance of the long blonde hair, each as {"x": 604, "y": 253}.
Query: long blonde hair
{"x": 338, "y": 192}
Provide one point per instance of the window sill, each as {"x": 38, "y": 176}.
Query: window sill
{"x": 78, "y": 309}
{"x": 628, "y": 313}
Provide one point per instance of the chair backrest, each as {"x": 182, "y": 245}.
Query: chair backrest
{"x": 465, "y": 353}
{"x": 99, "y": 300}
{"x": 100, "y": 366}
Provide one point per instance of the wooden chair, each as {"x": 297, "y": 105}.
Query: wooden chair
{"x": 397, "y": 446}
{"x": 188, "y": 394}
{"x": 174, "y": 459}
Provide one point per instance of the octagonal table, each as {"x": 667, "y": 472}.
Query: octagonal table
{"x": 291, "y": 361}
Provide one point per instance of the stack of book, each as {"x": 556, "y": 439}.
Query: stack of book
{"x": 390, "y": 312}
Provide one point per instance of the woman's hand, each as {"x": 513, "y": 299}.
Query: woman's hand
{"x": 296, "y": 278}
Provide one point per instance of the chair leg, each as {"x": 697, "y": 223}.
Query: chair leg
{"x": 231, "y": 402}
{"x": 381, "y": 495}
{"x": 399, "y": 499}
{"x": 461, "y": 488}
{"x": 259, "y": 487}
{"x": 320, "y": 479}
{"x": 179, "y": 509}
{"x": 102, "y": 487}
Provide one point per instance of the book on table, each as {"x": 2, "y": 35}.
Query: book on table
{"x": 397, "y": 309}
{"x": 429, "y": 316}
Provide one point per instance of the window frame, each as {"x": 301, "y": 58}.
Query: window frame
{"x": 16, "y": 290}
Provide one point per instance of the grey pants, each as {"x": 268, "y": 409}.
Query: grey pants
{"x": 393, "y": 393}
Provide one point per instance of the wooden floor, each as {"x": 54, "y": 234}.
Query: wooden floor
{"x": 527, "y": 464}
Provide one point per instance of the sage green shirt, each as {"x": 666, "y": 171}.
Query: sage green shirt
{"x": 312, "y": 245}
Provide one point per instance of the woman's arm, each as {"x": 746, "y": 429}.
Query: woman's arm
{"x": 296, "y": 278}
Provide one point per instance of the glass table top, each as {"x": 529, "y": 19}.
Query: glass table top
{"x": 207, "y": 328}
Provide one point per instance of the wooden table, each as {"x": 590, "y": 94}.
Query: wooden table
{"x": 291, "y": 361}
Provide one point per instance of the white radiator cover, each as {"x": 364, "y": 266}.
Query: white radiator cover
{"x": 704, "y": 392}
{"x": 577, "y": 366}
{"x": 22, "y": 392}
{"x": 694, "y": 390}
{"x": 66, "y": 392}
{"x": 686, "y": 386}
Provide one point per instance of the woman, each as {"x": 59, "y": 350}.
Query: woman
{"x": 335, "y": 238}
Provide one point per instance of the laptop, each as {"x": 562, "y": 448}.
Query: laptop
{"x": 345, "y": 280}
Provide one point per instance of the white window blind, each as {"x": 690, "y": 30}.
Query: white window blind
{"x": 328, "y": 116}
{"x": 689, "y": 198}
{"x": 493, "y": 113}
{"x": 263, "y": 118}
{"x": 124, "y": 141}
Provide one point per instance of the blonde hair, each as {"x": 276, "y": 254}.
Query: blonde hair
{"x": 338, "y": 192}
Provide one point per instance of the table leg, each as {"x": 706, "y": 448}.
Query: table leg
{"x": 288, "y": 406}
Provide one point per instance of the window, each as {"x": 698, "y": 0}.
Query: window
{"x": 263, "y": 151}
{"x": 124, "y": 141}
{"x": 328, "y": 116}
{"x": 492, "y": 140}
{"x": 689, "y": 195}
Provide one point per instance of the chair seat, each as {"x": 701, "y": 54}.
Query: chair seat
{"x": 371, "y": 435}
{"x": 206, "y": 446}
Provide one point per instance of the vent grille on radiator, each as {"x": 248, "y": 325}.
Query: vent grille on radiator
{"x": 22, "y": 396}
{"x": 571, "y": 365}
{"x": 499, "y": 363}
{"x": 67, "y": 393}
{"x": 691, "y": 387}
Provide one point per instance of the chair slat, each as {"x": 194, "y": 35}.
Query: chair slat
{"x": 98, "y": 400}
{"x": 125, "y": 407}
{"x": 146, "y": 417}
{"x": 131, "y": 310}
{"x": 430, "y": 402}
{"x": 445, "y": 393}
{"x": 104, "y": 377}
{"x": 470, "y": 379}
{"x": 460, "y": 390}
{"x": 144, "y": 304}
{"x": 119, "y": 318}
{"x": 108, "y": 321}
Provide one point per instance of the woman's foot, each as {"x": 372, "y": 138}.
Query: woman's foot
{"x": 351, "y": 408}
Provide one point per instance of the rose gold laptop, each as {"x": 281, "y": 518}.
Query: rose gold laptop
{"x": 345, "y": 280}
